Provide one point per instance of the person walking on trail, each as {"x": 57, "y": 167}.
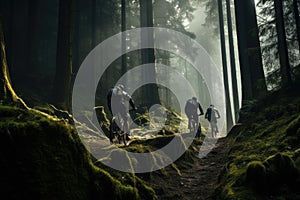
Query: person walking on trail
{"x": 212, "y": 114}
{"x": 191, "y": 110}
{"x": 118, "y": 98}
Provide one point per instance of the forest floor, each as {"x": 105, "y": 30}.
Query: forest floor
{"x": 197, "y": 181}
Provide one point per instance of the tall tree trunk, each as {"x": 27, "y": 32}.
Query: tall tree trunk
{"x": 232, "y": 63}
{"x": 123, "y": 28}
{"x": 149, "y": 92}
{"x": 7, "y": 14}
{"x": 7, "y": 93}
{"x": 32, "y": 25}
{"x": 93, "y": 22}
{"x": 229, "y": 120}
{"x": 62, "y": 81}
{"x": 296, "y": 14}
{"x": 282, "y": 45}
{"x": 76, "y": 36}
{"x": 242, "y": 45}
{"x": 19, "y": 44}
{"x": 252, "y": 74}
{"x": 93, "y": 35}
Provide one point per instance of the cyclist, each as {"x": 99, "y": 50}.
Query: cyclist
{"x": 118, "y": 98}
{"x": 191, "y": 110}
{"x": 212, "y": 114}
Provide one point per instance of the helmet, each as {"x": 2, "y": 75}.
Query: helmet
{"x": 120, "y": 86}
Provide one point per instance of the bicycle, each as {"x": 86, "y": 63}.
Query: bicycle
{"x": 193, "y": 127}
{"x": 214, "y": 129}
{"x": 117, "y": 132}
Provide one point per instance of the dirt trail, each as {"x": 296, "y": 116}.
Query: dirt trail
{"x": 198, "y": 181}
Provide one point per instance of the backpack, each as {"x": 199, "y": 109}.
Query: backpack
{"x": 211, "y": 115}
{"x": 190, "y": 107}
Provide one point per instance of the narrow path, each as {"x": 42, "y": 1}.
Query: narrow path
{"x": 197, "y": 181}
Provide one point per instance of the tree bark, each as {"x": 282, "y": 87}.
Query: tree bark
{"x": 93, "y": 22}
{"x": 252, "y": 74}
{"x": 282, "y": 45}
{"x": 123, "y": 28}
{"x": 149, "y": 92}
{"x": 7, "y": 93}
{"x": 19, "y": 46}
{"x": 229, "y": 120}
{"x": 242, "y": 46}
{"x": 232, "y": 63}
{"x": 62, "y": 80}
{"x": 297, "y": 20}
{"x": 7, "y": 14}
{"x": 32, "y": 25}
{"x": 76, "y": 37}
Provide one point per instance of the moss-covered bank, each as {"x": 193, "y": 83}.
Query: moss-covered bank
{"x": 263, "y": 162}
{"x": 41, "y": 157}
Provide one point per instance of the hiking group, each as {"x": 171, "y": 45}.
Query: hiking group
{"x": 212, "y": 114}
{"x": 118, "y": 98}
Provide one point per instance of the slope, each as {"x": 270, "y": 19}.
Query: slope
{"x": 264, "y": 159}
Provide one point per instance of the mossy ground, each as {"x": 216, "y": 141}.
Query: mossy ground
{"x": 263, "y": 162}
{"x": 144, "y": 140}
{"x": 42, "y": 157}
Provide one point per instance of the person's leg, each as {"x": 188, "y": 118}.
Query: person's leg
{"x": 123, "y": 121}
{"x": 212, "y": 128}
{"x": 196, "y": 118}
{"x": 217, "y": 129}
{"x": 126, "y": 125}
{"x": 193, "y": 123}
{"x": 189, "y": 122}
{"x": 199, "y": 131}
{"x": 197, "y": 125}
{"x": 113, "y": 128}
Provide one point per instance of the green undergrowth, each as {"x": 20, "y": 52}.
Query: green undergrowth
{"x": 42, "y": 157}
{"x": 264, "y": 159}
{"x": 148, "y": 141}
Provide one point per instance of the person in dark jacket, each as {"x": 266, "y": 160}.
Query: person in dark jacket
{"x": 191, "y": 110}
{"x": 212, "y": 114}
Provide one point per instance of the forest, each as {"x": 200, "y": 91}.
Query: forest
{"x": 63, "y": 137}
